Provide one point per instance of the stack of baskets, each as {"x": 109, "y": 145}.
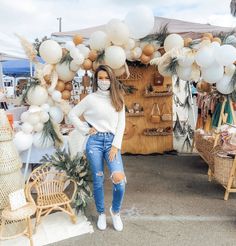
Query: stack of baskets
{"x": 11, "y": 178}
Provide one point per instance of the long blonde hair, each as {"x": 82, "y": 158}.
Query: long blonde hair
{"x": 116, "y": 89}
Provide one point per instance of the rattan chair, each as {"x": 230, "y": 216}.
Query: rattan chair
{"x": 48, "y": 184}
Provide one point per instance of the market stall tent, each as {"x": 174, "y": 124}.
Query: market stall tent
{"x": 184, "y": 28}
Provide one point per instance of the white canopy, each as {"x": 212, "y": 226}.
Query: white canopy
{"x": 184, "y": 28}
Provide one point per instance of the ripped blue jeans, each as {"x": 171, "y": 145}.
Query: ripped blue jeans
{"x": 97, "y": 149}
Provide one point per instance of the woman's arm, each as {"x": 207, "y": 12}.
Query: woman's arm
{"x": 76, "y": 112}
{"x": 117, "y": 141}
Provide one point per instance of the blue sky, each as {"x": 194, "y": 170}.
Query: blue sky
{"x": 36, "y": 18}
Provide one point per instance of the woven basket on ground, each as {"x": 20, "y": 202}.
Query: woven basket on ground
{"x": 223, "y": 166}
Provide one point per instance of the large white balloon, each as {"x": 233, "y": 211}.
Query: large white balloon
{"x": 225, "y": 55}
{"x": 34, "y": 118}
{"x": 230, "y": 69}
{"x": 187, "y": 59}
{"x": 83, "y": 50}
{"x": 38, "y": 127}
{"x": 23, "y": 141}
{"x": 130, "y": 44}
{"x": 184, "y": 73}
{"x": 140, "y": 21}
{"x": 224, "y": 85}
{"x": 37, "y": 95}
{"x": 173, "y": 41}
{"x": 50, "y": 51}
{"x": 44, "y": 117}
{"x": 41, "y": 141}
{"x": 117, "y": 32}
{"x": 27, "y": 128}
{"x": 56, "y": 96}
{"x": 64, "y": 72}
{"x": 34, "y": 109}
{"x": 45, "y": 107}
{"x": 213, "y": 73}
{"x": 69, "y": 45}
{"x": 74, "y": 53}
{"x": 99, "y": 40}
{"x": 56, "y": 114}
{"x": 115, "y": 57}
{"x": 205, "y": 56}
{"x": 74, "y": 66}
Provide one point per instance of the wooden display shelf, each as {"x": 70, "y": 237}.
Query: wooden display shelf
{"x": 159, "y": 94}
{"x": 134, "y": 114}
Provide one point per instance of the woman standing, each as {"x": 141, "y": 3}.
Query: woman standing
{"x": 104, "y": 112}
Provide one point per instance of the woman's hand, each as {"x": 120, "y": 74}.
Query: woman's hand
{"x": 92, "y": 131}
{"x": 113, "y": 153}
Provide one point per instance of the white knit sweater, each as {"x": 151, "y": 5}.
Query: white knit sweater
{"x": 99, "y": 112}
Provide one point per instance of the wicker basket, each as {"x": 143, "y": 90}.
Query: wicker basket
{"x": 9, "y": 158}
{"x": 6, "y": 132}
{"x": 223, "y": 166}
{"x": 206, "y": 149}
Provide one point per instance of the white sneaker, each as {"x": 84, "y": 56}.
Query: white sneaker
{"x": 102, "y": 223}
{"x": 117, "y": 222}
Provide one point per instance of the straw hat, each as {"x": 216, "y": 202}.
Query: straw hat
{"x": 5, "y": 128}
{"x": 129, "y": 130}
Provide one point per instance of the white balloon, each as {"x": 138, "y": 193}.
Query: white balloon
{"x": 83, "y": 50}
{"x": 56, "y": 114}
{"x": 140, "y": 21}
{"x": 156, "y": 54}
{"x": 129, "y": 55}
{"x": 23, "y": 141}
{"x": 64, "y": 72}
{"x": 99, "y": 41}
{"x": 27, "y": 128}
{"x": 205, "y": 56}
{"x": 173, "y": 41}
{"x": 224, "y": 86}
{"x": 45, "y": 107}
{"x": 117, "y": 32}
{"x": 229, "y": 70}
{"x": 69, "y": 45}
{"x": 115, "y": 57}
{"x": 225, "y": 55}
{"x": 130, "y": 44}
{"x": 184, "y": 73}
{"x": 50, "y": 51}
{"x": 24, "y": 116}
{"x": 213, "y": 73}
{"x": 187, "y": 59}
{"x": 74, "y": 53}
{"x": 34, "y": 118}
{"x": 40, "y": 141}
{"x": 44, "y": 117}
{"x": 136, "y": 52}
{"x": 74, "y": 66}
{"x": 56, "y": 96}
{"x": 34, "y": 109}
{"x": 37, "y": 95}
{"x": 38, "y": 127}
{"x": 79, "y": 61}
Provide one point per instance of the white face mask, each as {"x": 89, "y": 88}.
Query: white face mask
{"x": 104, "y": 84}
